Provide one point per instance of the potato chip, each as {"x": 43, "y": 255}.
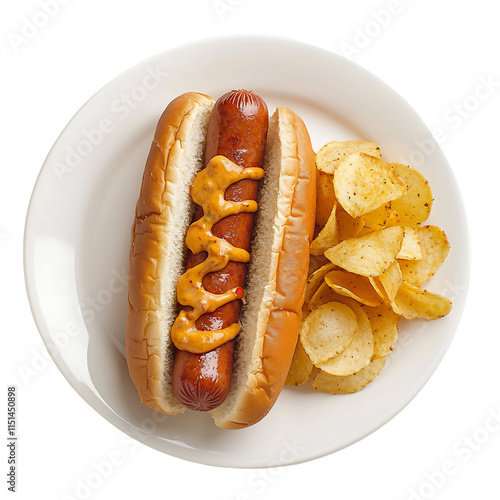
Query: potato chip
{"x": 412, "y": 302}
{"x": 350, "y": 384}
{"x": 315, "y": 279}
{"x": 328, "y": 236}
{"x": 435, "y": 248}
{"x": 384, "y": 216}
{"x": 415, "y": 205}
{"x": 375, "y": 220}
{"x": 368, "y": 225}
{"x": 330, "y": 154}
{"x": 348, "y": 226}
{"x": 410, "y": 249}
{"x": 384, "y": 323}
{"x": 368, "y": 255}
{"x": 315, "y": 262}
{"x": 323, "y": 295}
{"x": 328, "y": 330}
{"x": 363, "y": 183}
{"x": 325, "y": 199}
{"x": 301, "y": 366}
{"x": 377, "y": 286}
{"x": 391, "y": 281}
{"x": 353, "y": 285}
{"x": 358, "y": 353}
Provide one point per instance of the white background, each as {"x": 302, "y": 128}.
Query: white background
{"x": 436, "y": 54}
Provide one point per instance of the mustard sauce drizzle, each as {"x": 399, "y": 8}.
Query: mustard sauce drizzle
{"x": 208, "y": 191}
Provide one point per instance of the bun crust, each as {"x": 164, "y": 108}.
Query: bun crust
{"x": 277, "y": 273}
{"x": 156, "y": 255}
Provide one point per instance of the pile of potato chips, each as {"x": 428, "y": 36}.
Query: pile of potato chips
{"x": 370, "y": 257}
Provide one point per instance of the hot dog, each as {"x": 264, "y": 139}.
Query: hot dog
{"x": 183, "y": 358}
{"x": 237, "y": 130}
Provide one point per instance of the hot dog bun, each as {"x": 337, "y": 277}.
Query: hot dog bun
{"x": 277, "y": 274}
{"x": 163, "y": 214}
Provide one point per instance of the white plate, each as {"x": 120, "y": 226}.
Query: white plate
{"x": 78, "y": 232}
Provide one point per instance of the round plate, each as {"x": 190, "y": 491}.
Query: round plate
{"x": 78, "y": 235}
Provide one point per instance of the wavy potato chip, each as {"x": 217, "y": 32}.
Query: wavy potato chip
{"x": 358, "y": 353}
{"x": 412, "y": 302}
{"x": 328, "y": 236}
{"x": 349, "y": 384}
{"x": 363, "y": 183}
{"x": 415, "y": 205}
{"x": 368, "y": 225}
{"x": 330, "y": 154}
{"x": 301, "y": 367}
{"x": 435, "y": 248}
{"x": 328, "y": 330}
{"x": 411, "y": 248}
{"x": 368, "y": 255}
{"x": 384, "y": 323}
{"x": 353, "y": 285}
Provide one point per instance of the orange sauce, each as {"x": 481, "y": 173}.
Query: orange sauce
{"x": 208, "y": 191}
